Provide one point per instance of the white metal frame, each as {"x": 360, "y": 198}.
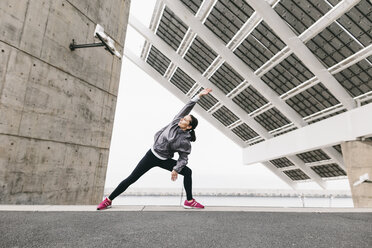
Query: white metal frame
{"x": 302, "y": 52}
{"x": 226, "y": 54}
{"x": 324, "y": 134}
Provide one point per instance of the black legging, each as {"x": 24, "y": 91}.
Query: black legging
{"x": 147, "y": 162}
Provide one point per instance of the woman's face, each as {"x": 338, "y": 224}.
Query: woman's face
{"x": 184, "y": 123}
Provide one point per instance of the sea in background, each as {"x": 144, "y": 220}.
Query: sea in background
{"x": 237, "y": 197}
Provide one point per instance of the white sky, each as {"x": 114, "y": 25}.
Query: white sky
{"x": 144, "y": 107}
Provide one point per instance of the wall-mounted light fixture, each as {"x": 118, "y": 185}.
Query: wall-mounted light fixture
{"x": 106, "y": 41}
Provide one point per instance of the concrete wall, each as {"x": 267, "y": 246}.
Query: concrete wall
{"x": 358, "y": 160}
{"x": 56, "y": 106}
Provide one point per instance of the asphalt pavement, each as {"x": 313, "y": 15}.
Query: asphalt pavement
{"x": 184, "y": 229}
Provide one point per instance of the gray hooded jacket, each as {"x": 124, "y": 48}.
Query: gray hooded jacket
{"x": 172, "y": 138}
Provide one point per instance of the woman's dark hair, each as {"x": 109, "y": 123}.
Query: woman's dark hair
{"x": 193, "y": 124}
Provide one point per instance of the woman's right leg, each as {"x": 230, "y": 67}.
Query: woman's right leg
{"x": 146, "y": 163}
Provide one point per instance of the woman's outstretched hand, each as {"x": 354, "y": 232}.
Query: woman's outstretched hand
{"x": 205, "y": 92}
{"x": 174, "y": 175}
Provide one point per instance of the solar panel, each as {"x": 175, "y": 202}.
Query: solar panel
{"x": 333, "y": 45}
{"x": 272, "y": 119}
{"x": 358, "y": 22}
{"x": 281, "y": 162}
{"x": 171, "y": 29}
{"x": 300, "y": 15}
{"x": 268, "y": 38}
{"x": 253, "y": 53}
{"x": 225, "y": 116}
{"x": 328, "y": 170}
{"x": 200, "y": 55}
{"x": 288, "y": 74}
{"x": 226, "y": 78}
{"x": 312, "y": 100}
{"x": 158, "y": 60}
{"x": 227, "y": 17}
{"x": 229, "y": 21}
{"x": 207, "y": 101}
{"x": 296, "y": 175}
{"x": 249, "y": 99}
{"x": 244, "y": 132}
{"x": 357, "y": 79}
{"x": 313, "y": 156}
{"x": 193, "y": 5}
{"x": 182, "y": 81}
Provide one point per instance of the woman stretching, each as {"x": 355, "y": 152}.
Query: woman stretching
{"x": 175, "y": 137}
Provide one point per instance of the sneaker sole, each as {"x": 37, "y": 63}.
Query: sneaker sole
{"x": 104, "y": 208}
{"x": 188, "y": 207}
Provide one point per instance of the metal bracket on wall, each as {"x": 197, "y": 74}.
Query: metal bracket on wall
{"x": 106, "y": 41}
{"x": 363, "y": 179}
{"x": 74, "y": 46}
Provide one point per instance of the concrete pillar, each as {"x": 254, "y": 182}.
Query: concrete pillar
{"x": 358, "y": 161}
{"x": 56, "y": 106}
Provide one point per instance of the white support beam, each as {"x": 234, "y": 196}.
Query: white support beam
{"x": 332, "y": 131}
{"x": 281, "y": 175}
{"x": 176, "y": 92}
{"x": 318, "y": 163}
{"x": 308, "y": 171}
{"x": 204, "y": 9}
{"x": 155, "y": 19}
{"x": 217, "y": 45}
{"x": 195, "y": 75}
{"x": 302, "y": 52}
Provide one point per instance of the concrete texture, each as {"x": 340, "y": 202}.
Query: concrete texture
{"x": 185, "y": 229}
{"x": 57, "y": 107}
{"x": 358, "y": 161}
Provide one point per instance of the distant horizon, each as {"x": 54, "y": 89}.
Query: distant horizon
{"x": 140, "y": 191}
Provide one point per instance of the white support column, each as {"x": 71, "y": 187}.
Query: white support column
{"x": 308, "y": 171}
{"x": 302, "y": 52}
{"x": 194, "y": 74}
{"x": 326, "y": 133}
{"x": 217, "y": 45}
{"x": 176, "y": 92}
{"x": 281, "y": 175}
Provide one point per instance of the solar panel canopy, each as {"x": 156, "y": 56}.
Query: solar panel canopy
{"x": 264, "y": 85}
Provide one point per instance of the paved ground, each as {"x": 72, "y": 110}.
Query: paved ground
{"x": 138, "y": 228}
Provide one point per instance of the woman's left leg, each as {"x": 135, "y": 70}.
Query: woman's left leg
{"x": 186, "y": 172}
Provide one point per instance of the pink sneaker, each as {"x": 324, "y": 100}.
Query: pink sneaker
{"x": 106, "y": 203}
{"x": 192, "y": 204}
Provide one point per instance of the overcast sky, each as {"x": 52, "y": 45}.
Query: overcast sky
{"x": 144, "y": 107}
